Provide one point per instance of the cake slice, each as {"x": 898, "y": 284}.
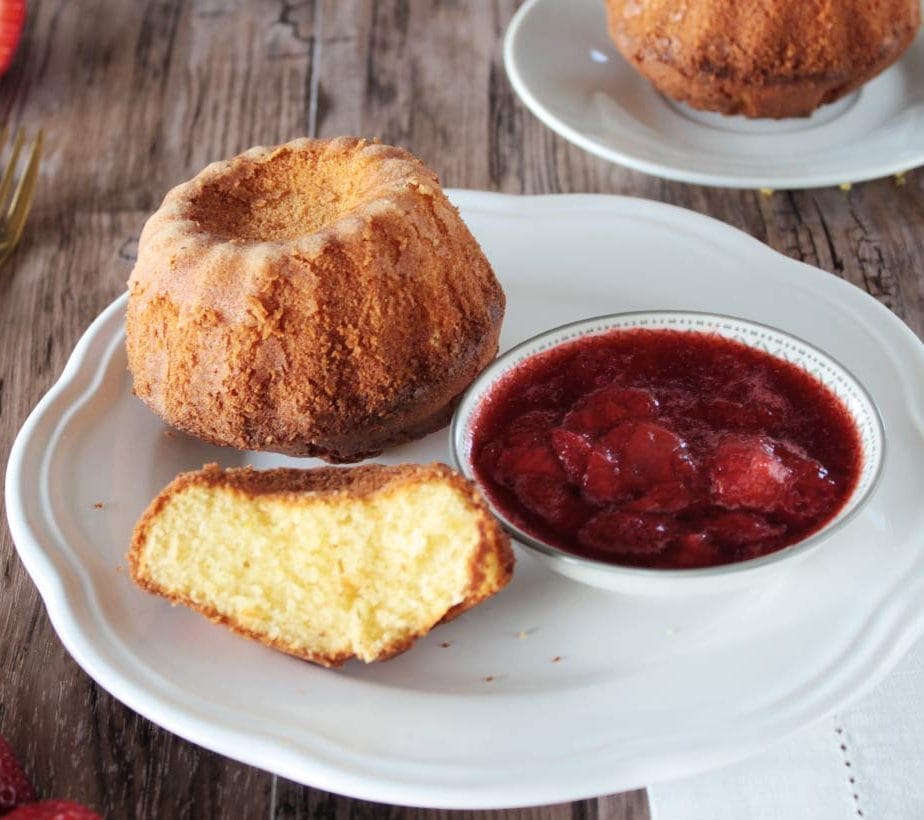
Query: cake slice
{"x": 326, "y": 564}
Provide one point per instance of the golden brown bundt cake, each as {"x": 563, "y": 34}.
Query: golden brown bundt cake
{"x": 761, "y": 58}
{"x": 325, "y": 564}
{"x": 321, "y": 298}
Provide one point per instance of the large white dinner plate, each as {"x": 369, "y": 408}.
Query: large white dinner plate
{"x": 644, "y": 689}
{"x": 566, "y": 69}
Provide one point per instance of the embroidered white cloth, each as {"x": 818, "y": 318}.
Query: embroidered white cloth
{"x": 866, "y": 762}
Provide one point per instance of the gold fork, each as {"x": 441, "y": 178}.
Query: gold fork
{"x": 14, "y": 214}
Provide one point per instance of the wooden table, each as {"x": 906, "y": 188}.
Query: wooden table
{"x": 135, "y": 97}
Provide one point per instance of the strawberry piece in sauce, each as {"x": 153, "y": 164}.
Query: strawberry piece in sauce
{"x": 573, "y": 451}
{"x": 746, "y": 472}
{"x": 628, "y": 533}
{"x": 600, "y": 410}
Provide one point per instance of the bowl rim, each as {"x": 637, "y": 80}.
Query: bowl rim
{"x": 803, "y": 547}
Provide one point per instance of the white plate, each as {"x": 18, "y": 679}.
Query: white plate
{"x": 645, "y": 689}
{"x": 564, "y": 66}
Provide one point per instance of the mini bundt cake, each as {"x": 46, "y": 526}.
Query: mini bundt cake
{"x": 761, "y": 58}
{"x": 321, "y": 298}
{"x": 326, "y": 564}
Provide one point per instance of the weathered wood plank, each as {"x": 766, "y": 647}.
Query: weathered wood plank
{"x": 295, "y": 803}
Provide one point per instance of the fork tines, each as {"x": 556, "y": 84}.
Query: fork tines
{"x": 14, "y": 209}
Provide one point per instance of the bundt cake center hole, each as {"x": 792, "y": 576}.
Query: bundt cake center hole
{"x": 288, "y": 195}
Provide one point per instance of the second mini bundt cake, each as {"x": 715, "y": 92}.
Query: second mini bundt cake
{"x": 761, "y": 58}
{"x": 321, "y": 298}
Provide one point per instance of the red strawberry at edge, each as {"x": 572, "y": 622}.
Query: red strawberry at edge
{"x": 15, "y": 787}
{"x": 12, "y": 18}
{"x": 53, "y": 810}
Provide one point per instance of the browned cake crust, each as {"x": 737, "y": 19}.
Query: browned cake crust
{"x": 761, "y": 58}
{"x": 331, "y": 321}
{"x": 334, "y": 482}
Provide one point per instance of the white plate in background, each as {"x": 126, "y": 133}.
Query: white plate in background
{"x": 563, "y": 65}
{"x": 644, "y": 689}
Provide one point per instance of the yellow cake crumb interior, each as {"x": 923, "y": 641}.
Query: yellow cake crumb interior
{"x": 318, "y": 574}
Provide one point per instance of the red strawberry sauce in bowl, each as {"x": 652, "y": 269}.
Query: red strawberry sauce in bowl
{"x": 639, "y": 449}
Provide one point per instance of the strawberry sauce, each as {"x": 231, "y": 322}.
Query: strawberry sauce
{"x": 668, "y": 449}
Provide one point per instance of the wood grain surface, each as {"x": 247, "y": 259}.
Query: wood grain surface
{"x": 137, "y": 96}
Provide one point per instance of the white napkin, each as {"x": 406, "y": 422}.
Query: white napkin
{"x": 864, "y": 762}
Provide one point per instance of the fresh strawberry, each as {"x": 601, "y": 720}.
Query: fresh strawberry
{"x": 53, "y": 810}
{"x": 12, "y": 18}
{"x": 15, "y": 787}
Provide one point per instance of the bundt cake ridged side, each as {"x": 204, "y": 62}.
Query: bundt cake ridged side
{"x": 321, "y": 298}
